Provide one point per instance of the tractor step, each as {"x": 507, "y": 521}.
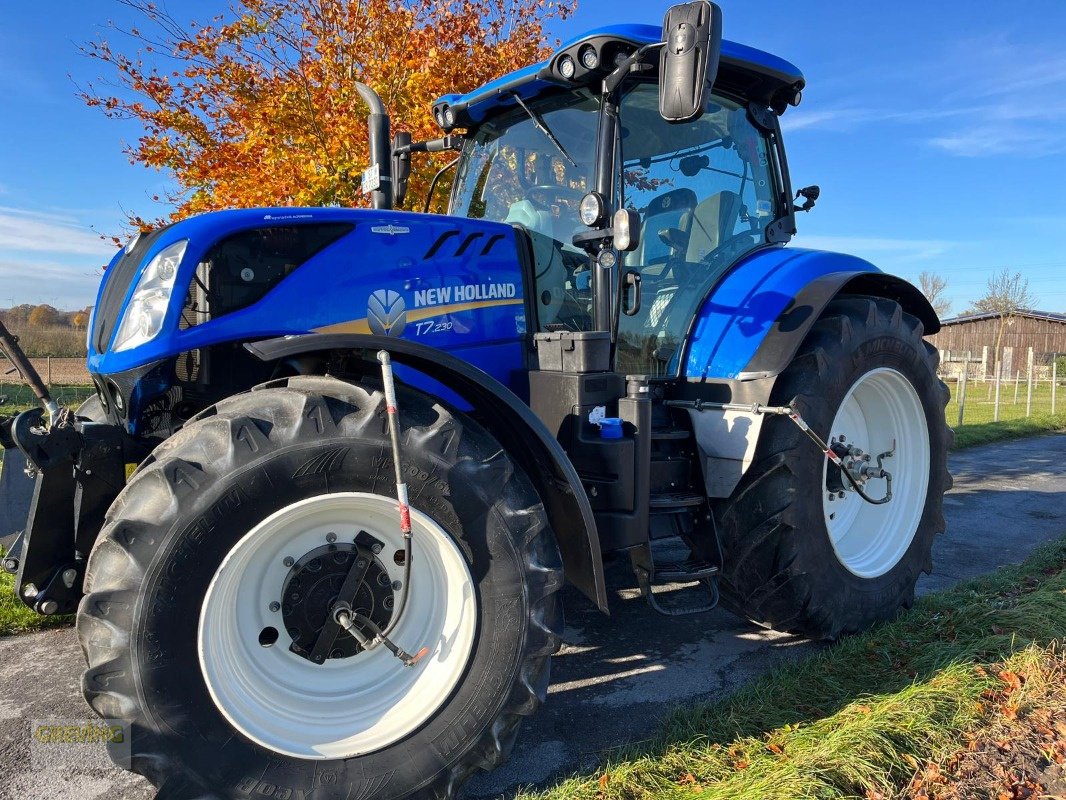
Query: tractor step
{"x": 674, "y": 501}
{"x": 699, "y": 575}
{"x": 670, "y": 434}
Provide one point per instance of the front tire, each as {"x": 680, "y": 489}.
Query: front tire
{"x": 207, "y": 590}
{"x": 797, "y": 561}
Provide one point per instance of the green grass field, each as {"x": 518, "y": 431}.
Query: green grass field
{"x": 862, "y": 718}
{"x": 980, "y": 401}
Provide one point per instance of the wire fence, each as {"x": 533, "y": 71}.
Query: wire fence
{"x": 999, "y": 386}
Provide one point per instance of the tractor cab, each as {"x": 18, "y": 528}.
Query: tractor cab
{"x": 559, "y": 148}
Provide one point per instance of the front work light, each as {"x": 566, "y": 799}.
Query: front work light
{"x": 144, "y": 315}
{"x": 589, "y": 57}
{"x": 592, "y": 209}
{"x": 567, "y": 67}
{"x": 626, "y": 229}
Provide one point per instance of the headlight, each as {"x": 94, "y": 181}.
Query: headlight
{"x": 592, "y": 209}
{"x": 144, "y": 315}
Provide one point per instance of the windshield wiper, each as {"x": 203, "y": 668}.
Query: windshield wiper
{"x": 542, "y": 126}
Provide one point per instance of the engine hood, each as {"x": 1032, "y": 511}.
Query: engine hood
{"x": 448, "y": 282}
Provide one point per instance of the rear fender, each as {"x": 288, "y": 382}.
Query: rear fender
{"x": 749, "y": 329}
{"x": 510, "y": 420}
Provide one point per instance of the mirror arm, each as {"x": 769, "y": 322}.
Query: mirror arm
{"x": 629, "y": 66}
{"x": 435, "y": 181}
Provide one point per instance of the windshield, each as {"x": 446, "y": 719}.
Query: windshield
{"x": 512, "y": 171}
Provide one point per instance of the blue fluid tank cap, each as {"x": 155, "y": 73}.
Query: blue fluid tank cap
{"x": 610, "y": 428}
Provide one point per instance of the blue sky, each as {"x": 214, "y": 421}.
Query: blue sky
{"x": 934, "y": 130}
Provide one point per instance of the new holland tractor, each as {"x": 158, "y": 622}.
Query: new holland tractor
{"x": 372, "y": 443}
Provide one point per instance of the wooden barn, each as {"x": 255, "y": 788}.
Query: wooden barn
{"x": 976, "y": 334}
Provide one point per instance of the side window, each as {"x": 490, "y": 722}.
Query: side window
{"x": 705, "y": 194}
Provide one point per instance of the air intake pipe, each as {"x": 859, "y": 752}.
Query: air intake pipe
{"x": 380, "y": 145}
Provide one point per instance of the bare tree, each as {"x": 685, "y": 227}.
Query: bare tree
{"x": 1005, "y": 295}
{"x": 933, "y": 287}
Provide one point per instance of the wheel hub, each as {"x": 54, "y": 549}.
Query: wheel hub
{"x": 312, "y": 590}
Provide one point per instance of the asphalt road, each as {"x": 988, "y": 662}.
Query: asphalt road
{"x": 616, "y": 676}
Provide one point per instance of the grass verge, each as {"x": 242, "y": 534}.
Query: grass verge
{"x": 861, "y": 718}
{"x": 989, "y": 432}
{"x": 15, "y": 617}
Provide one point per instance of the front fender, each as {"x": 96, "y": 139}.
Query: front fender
{"x": 753, "y": 322}
{"x": 510, "y": 420}
{"x": 749, "y": 329}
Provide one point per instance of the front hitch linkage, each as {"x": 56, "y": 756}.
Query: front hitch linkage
{"x": 793, "y": 414}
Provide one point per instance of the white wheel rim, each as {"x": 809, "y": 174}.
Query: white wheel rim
{"x": 881, "y": 406}
{"x": 344, "y": 707}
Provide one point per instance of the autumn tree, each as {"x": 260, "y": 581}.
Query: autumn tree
{"x": 258, "y": 107}
{"x": 43, "y": 316}
{"x": 78, "y": 320}
{"x": 934, "y": 286}
{"x": 1005, "y": 295}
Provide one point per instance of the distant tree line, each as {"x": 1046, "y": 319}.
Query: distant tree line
{"x": 44, "y": 330}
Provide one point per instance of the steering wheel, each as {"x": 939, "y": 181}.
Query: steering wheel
{"x": 729, "y": 249}
{"x": 555, "y": 193}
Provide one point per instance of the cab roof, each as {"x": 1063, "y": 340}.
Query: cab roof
{"x": 755, "y": 74}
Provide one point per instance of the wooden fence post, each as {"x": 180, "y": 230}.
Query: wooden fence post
{"x": 1054, "y": 380}
{"x": 1029, "y": 388}
{"x": 962, "y": 390}
{"x": 999, "y": 382}
{"x": 48, "y": 364}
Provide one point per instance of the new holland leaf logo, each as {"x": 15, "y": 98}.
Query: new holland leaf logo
{"x": 386, "y": 313}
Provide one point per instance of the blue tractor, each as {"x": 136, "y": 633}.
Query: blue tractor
{"x": 373, "y": 443}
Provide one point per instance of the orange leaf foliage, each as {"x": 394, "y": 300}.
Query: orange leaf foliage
{"x": 258, "y": 107}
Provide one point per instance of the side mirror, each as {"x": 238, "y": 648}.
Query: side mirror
{"x": 401, "y": 167}
{"x": 688, "y": 62}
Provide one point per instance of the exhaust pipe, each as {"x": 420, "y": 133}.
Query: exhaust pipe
{"x": 380, "y": 146}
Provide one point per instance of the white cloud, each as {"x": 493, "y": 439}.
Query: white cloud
{"x": 871, "y": 247}
{"x": 24, "y": 230}
{"x": 996, "y": 104}
{"x": 31, "y": 280}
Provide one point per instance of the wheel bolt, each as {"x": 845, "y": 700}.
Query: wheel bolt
{"x": 289, "y": 561}
{"x": 397, "y": 585}
{"x": 331, "y": 537}
{"x": 49, "y": 607}
{"x": 387, "y": 602}
{"x": 275, "y": 606}
{"x": 376, "y": 548}
{"x": 840, "y": 495}
{"x": 832, "y": 497}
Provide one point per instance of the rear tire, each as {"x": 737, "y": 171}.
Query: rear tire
{"x": 213, "y": 711}
{"x": 785, "y": 566}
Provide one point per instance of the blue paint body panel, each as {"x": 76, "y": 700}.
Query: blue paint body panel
{"x": 527, "y": 82}
{"x": 332, "y": 289}
{"x": 741, "y": 309}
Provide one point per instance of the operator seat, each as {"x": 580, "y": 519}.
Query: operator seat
{"x": 549, "y": 271}
{"x": 708, "y": 225}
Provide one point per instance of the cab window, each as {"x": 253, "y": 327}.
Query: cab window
{"x": 705, "y": 194}
{"x": 513, "y": 172}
